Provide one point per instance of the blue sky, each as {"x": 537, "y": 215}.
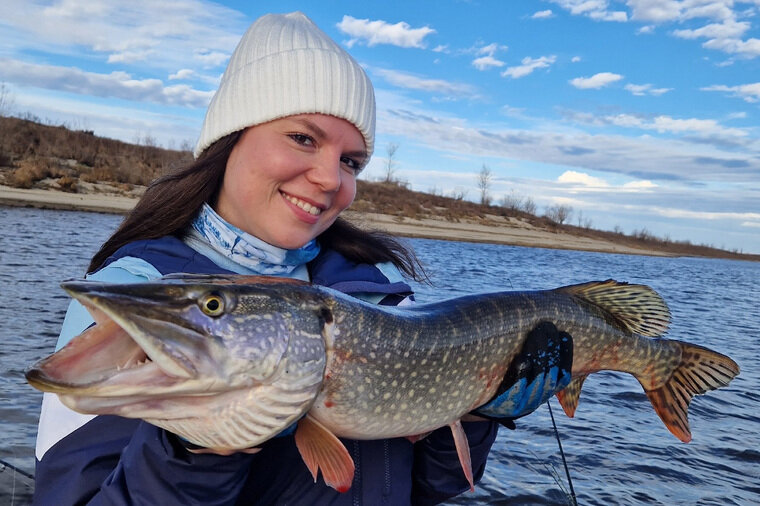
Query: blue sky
{"x": 639, "y": 114}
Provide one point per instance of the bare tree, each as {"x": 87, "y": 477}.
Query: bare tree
{"x": 529, "y": 206}
{"x": 6, "y": 100}
{"x": 583, "y": 221}
{"x": 390, "y": 161}
{"x": 458, "y": 193}
{"x": 484, "y": 184}
{"x": 559, "y": 213}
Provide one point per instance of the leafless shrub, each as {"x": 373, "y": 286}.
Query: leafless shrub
{"x": 559, "y": 213}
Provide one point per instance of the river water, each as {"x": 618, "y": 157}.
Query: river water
{"x": 617, "y": 449}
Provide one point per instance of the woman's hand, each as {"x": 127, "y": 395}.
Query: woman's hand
{"x": 541, "y": 369}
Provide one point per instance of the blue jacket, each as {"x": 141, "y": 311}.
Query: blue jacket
{"x": 121, "y": 461}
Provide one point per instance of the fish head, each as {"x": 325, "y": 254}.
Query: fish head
{"x": 194, "y": 353}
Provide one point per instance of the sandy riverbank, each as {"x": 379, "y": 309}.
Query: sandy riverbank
{"x": 504, "y": 231}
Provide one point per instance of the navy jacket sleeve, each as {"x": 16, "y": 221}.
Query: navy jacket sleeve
{"x": 437, "y": 473}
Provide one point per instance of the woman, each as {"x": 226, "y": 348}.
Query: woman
{"x": 289, "y": 129}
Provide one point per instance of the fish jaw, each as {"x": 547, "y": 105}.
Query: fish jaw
{"x": 153, "y": 353}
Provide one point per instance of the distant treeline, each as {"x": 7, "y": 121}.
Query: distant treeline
{"x": 31, "y": 152}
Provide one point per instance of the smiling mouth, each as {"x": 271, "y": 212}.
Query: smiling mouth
{"x": 309, "y": 208}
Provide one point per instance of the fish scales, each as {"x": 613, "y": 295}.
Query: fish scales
{"x": 453, "y": 356}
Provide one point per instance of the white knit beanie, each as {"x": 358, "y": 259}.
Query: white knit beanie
{"x": 286, "y": 65}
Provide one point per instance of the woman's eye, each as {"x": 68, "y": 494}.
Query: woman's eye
{"x": 302, "y": 139}
{"x": 355, "y": 166}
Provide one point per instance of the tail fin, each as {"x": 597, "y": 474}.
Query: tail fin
{"x": 700, "y": 370}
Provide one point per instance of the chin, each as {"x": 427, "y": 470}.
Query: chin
{"x": 292, "y": 243}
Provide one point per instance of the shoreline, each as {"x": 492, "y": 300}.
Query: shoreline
{"x": 511, "y": 232}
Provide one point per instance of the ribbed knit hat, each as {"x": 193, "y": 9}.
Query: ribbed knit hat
{"x": 286, "y": 65}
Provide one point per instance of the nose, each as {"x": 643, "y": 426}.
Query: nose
{"x": 325, "y": 172}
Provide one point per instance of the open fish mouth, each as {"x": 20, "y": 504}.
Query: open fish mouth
{"x": 131, "y": 353}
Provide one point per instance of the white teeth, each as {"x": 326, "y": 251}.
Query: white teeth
{"x": 315, "y": 211}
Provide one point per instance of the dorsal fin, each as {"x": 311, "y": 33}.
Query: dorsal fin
{"x": 637, "y": 308}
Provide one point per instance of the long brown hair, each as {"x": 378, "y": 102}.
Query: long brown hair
{"x": 171, "y": 203}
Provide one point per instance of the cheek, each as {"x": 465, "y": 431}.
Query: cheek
{"x": 347, "y": 192}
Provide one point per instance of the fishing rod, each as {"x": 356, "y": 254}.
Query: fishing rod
{"x": 562, "y": 453}
{"x": 4, "y": 465}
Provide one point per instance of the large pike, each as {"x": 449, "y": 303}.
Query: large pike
{"x": 228, "y": 362}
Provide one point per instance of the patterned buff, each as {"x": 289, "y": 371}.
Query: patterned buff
{"x": 247, "y": 250}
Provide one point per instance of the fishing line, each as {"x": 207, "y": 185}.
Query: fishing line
{"x": 562, "y": 453}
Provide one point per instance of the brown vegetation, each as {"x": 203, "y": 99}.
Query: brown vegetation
{"x": 31, "y": 153}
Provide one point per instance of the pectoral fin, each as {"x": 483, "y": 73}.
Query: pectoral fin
{"x": 463, "y": 451}
{"x": 321, "y": 450}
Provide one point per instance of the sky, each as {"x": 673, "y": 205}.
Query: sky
{"x": 641, "y": 115}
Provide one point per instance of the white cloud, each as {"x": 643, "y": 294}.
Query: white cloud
{"x": 441, "y": 48}
{"x": 155, "y": 34}
{"x": 695, "y": 125}
{"x": 597, "y": 10}
{"x": 645, "y": 89}
{"x": 182, "y": 74}
{"x": 115, "y": 84}
{"x": 661, "y": 11}
{"x": 210, "y": 58}
{"x": 729, "y": 29}
{"x": 662, "y": 124}
{"x": 748, "y": 92}
{"x": 528, "y": 65}
{"x": 645, "y": 157}
{"x": 574, "y": 177}
{"x": 410, "y": 81}
{"x": 704, "y": 215}
{"x": 645, "y": 30}
{"x": 486, "y": 57}
{"x": 723, "y": 29}
{"x": 640, "y": 185}
{"x": 542, "y": 14}
{"x": 749, "y": 48}
{"x": 575, "y": 59}
{"x": 596, "y": 81}
{"x": 486, "y": 62}
{"x": 381, "y": 32}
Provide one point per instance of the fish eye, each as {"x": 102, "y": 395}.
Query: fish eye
{"x": 212, "y": 304}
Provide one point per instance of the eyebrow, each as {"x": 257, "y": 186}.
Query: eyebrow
{"x": 321, "y": 135}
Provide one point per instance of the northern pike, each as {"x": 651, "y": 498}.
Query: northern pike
{"x": 228, "y": 362}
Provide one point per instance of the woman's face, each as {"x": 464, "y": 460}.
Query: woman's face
{"x": 287, "y": 180}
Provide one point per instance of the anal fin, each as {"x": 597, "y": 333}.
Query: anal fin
{"x": 568, "y": 397}
{"x": 321, "y": 450}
